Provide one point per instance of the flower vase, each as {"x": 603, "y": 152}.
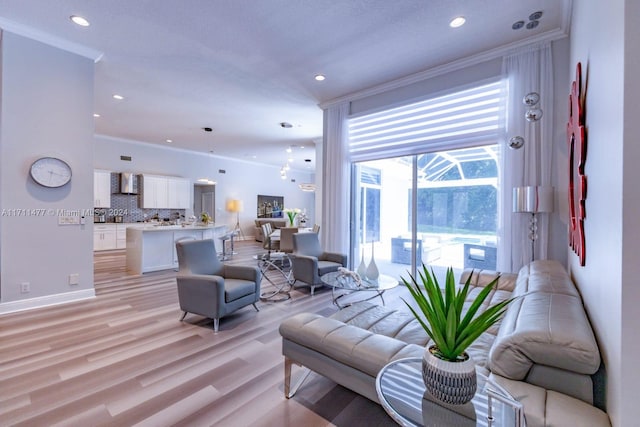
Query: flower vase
{"x": 362, "y": 268}
{"x": 372, "y": 272}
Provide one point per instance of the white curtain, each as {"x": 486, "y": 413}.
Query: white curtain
{"x": 336, "y": 192}
{"x": 527, "y": 70}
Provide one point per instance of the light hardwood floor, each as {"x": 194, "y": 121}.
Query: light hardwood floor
{"x": 123, "y": 358}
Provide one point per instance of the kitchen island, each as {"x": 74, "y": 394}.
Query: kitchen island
{"x": 153, "y": 247}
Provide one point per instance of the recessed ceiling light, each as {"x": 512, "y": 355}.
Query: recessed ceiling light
{"x": 169, "y": 140}
{"x": 96, "y": 115}
{"x": 79, "y": 20}
{"x": 319, "y": 77}
{"x": 118, "y": 97}
{"x": 457, "y": 22}
{"x": 535, "y": 16}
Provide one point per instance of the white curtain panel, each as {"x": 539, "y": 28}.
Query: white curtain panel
{"x": 527, "y": 70}
{"x": 336, "y": 186}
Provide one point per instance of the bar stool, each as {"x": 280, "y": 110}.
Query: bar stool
{"x": 224, "y": 256}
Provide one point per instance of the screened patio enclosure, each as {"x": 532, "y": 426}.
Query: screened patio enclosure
{"x": 438, "y": 208}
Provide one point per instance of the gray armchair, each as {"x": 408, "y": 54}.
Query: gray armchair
{"x": 210, "y": 288}
{"x": 310, "y": 261}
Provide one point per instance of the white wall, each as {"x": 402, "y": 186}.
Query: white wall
{"x": 559, "y": 219}
{"x": 630, "y": 294}
{"x": 605, "y": 39}
{"x": 47, "y": 103}
{"x": 241, "y": 180}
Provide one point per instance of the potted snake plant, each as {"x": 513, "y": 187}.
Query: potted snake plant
{"x": 448, "y": 370}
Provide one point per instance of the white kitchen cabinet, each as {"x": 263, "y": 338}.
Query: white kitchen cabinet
{"x": 165, "y": 192}
{"x": 104, "y": 237}
{"x": 154, "y": 192}
{"x": 101, "y": 189}
{"x": 121, "y": 235}
{"x": 179, "y": 193}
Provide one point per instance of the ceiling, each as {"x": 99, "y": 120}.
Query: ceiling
{"x": 242, "y": 67}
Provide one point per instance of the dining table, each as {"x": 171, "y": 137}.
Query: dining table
{"x": 275, "y": 234}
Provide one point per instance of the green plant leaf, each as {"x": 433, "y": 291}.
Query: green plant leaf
{"x": 440, "y": 311}
{"x": 450, "y": 337}
{"x": 477, "y": 303}
{"x": 480, "y": 325}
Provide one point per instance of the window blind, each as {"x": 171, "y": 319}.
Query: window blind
{"x": 465, "y": 118}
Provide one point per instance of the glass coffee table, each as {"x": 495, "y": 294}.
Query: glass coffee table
{"x": 403, "y": 396}
{"x": 342, "y": 286}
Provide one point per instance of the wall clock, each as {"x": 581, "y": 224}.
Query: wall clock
{"x": 577, "y": 141}
{"x": 50, "y": 172}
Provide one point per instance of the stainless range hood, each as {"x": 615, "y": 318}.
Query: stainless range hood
{"x": 128, "y": 183}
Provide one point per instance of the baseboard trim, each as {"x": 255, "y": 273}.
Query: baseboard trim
{"x": 46, "y": 301}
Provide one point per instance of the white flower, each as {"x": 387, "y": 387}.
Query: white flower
{"x": 291, "y": 214}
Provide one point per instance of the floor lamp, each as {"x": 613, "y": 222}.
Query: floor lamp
{"x": 235, "y": 206}
{"x": 533, "y": 200}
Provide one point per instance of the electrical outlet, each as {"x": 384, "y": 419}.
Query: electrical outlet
{"x": 25, "y": 287}
{"x": 74, "y": 279}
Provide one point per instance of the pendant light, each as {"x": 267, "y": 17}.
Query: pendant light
{"x": 208, "y": 181}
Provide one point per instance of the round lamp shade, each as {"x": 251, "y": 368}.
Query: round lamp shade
{"x": 533, "y": 199}
{"x": 234, "y": 205}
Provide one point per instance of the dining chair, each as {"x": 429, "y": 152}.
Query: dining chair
{"x": 269, "y": 243}
{"x": 286, "y": 239}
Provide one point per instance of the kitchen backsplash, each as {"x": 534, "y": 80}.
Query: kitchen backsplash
{"x": 128, "y": 206}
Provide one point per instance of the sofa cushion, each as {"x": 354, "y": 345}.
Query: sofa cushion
{"x": 546, "y": 325}
{"x": 347, "y": 344}
{"x": 381, "y": 320}
{"x": 325, "y": 267}
{"x": 544, "y": 276}
{"x": 543, "y": 408}
{"x": 275, "y": 222}
{"x": 237, "y": 288}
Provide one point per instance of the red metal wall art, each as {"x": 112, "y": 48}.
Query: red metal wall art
{"x": 577, "y": 141}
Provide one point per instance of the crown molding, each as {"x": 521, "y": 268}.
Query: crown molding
{"x": 42, "y": 37}
{"x": 194, "y": 152}
{"x": 488, "y": 55}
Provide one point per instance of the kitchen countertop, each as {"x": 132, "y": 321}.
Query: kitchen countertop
{"x": 158, "y": 227}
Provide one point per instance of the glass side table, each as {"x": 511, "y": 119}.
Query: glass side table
{"x": 402, "y": 394}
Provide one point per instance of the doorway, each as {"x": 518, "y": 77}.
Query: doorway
{"x": 204, "y": 200}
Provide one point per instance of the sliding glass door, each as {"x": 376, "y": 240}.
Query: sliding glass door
{"x": 438, "y": 209}
{"x": 383, "y": 209}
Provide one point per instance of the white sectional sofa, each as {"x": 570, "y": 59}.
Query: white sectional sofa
{"x": 543, "y": 351}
